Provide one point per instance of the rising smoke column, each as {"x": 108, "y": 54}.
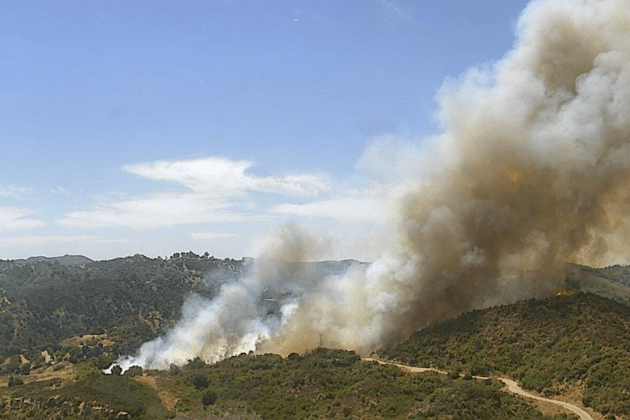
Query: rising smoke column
{"x": 540, "y": 176}
{"x": 239, "y": 319}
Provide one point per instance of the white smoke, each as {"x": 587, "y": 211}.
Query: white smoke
{"x": 231, "y": 323}
{"x": 538, "y": 175}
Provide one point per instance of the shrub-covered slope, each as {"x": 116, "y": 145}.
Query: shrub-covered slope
{"x": 44, "y": 302}
{"x": 332, "y": 384}
{"x": 569, "y": 343}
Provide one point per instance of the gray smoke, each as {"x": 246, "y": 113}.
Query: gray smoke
{"x": 538, "y": 175}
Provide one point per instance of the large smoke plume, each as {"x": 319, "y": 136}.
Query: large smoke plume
{"x": 537, "y": 175}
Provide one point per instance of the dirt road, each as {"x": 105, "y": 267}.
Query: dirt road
{"x": 514, "y": 388}
{"x": 511, "y": 385}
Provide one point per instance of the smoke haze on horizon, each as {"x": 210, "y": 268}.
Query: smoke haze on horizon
{"x": 532, "y": 171}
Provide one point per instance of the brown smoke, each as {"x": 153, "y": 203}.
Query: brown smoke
{"x": 539, "y": 176}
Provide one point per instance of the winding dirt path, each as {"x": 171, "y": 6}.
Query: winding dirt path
{"x": 512, "y": 387}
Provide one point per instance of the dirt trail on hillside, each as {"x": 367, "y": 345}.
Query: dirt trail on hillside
{"x": 512, "y": 387}
{"x": 515, "y": 389}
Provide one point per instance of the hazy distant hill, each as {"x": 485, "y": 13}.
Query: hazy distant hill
{"x": 612, "y": 282}
{"x": 65, "y": 260}
{"x": 571, "y": 344}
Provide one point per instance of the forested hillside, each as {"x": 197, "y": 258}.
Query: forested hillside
{"x": 44, "y": 302}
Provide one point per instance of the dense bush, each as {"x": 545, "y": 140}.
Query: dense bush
{"x": 336, "y": 384}
{"x": 134, "y": 299}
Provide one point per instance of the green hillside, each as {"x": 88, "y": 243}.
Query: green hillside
{"x": 43, "y": 302}
{"x": 323, "y": 384}
{"x": 570, "y": 344}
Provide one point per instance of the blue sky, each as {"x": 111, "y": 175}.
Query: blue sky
{"x": 163, "y": 126}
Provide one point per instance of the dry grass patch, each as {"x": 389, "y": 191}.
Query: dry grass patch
{"x": 62, "y": 370}
{"x": 86, "y": 338}
{"x": 168, "y": 399}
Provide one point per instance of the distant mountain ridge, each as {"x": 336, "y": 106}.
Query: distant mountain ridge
{"x": 69, "y": 260}
{"x": 610, "y": 282}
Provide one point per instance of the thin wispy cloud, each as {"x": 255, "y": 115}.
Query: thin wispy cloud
{"x": 60, "y": 191}
{"x": 156, "y": 211}
{"x": 223, "y": 177}
{"x": 310, "y": 16}
{"x": 359, "y": 208}
{"x": 214, "y": 189}
{"x": 13, "y": 190}
{"x": 396, "y": 11}
{"x": 14, "y": 218}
